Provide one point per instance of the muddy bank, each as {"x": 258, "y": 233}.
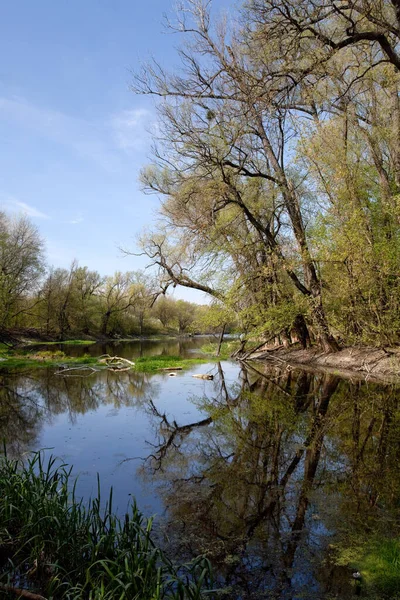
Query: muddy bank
{"x": 381, "y": 364}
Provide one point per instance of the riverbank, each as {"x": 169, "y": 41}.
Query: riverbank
{"x": 380, "y": 364}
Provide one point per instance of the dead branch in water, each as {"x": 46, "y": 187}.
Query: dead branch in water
{"x": 112, "y": 363}
{"x": 66, "y": 370}
{"x": 115, "y": 361}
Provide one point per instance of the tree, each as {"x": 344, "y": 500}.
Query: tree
{"x": 185, "y": 315}
{"x": 116, "y": 295}
{"x": 21, "y": 267}
{"x": 223, "y": 129}
{"x": 86, "y": 285}
{"x": 329, "y": 28}
{"x": 143, "y": 289}
{"x": 164, "y": 310}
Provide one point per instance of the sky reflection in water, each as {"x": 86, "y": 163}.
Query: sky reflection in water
{"x": 261, "y": 470}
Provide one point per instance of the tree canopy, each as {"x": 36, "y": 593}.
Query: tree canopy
{"x": 278, "y": 166}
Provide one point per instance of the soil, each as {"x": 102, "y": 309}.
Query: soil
{"x": 381, "y": 364}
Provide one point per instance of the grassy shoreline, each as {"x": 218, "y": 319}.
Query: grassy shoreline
{"x": 64, "y": 343}
{"x": 57, "y": 358}
{"x": 45, "y": 358}
{"x": 53, "y": 544}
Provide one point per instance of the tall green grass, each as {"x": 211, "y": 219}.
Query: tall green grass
{"x": 379, "y": 563}
{"x": 54, "y": 544}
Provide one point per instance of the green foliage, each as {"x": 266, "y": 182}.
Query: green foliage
{"x": 21, "y": 265}
{"x": 377, "y": 558}
{"x": 151, "y": 364}
{"x": 44, "y": 358}
{"x": 53, "y": 543}
{"x": 68, "y": 343}
{"x": 215, "y": 317}
{"x": 288, "y": 210}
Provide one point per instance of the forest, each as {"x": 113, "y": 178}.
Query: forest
{"x": 41, "y": 302}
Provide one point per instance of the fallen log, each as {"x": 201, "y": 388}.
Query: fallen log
{"x": 200, "y": 376}
{"x": 115, "y": 362}
{"x": 169, "y": 369}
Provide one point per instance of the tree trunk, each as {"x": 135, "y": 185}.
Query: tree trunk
{"x": 327, "y": 341}
{"x": 105, "y": 320}
{"x": 301, "y": 330}
{"x": 221, "y": 338}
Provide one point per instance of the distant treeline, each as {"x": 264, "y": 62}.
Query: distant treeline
{"x": 62, "y": 303}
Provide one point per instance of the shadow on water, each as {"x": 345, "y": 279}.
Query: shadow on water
{"x": 278, "y": 476}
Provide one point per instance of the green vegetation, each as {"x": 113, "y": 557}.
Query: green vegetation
{"x": 151, "y": 364}
{"x": 227, "y": 349}
{"x": 48, "y": 358}
{"x": 37, "y": 301}
{"x": 65, "y": 343}
{"x": 380, "y": 567}
{"x": 286, "y": 212}
{"x": 286, "y": 118}
{"x": 377, "y": 559}
{"x": 54, "y": 544}
{"x": 43, "y": 358}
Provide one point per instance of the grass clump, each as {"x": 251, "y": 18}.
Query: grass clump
{"x": 377, "y": 559}
{"x": 65, "y": 343}
{"x": 44, "y": 358}
{"x": 53, "y": 544}
{"x": 379, "y": 564}
{"x": 151, "y": 364}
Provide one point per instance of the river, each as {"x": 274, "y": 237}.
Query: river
{"x": 275, "y": 473}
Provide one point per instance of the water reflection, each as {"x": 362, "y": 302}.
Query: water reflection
{"x": 268, "y": 472}
{"x": 31, "y": 399}
{"x": 277, "y": 469}
{"x": 183, "y": 346}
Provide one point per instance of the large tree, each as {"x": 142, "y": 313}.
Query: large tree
{"x": 226, "y": 156}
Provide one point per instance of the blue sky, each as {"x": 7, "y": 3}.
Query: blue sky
{"x": 73, "y": 137}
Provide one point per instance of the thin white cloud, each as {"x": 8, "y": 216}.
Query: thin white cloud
{"x": 99, "y": 142}
{"x": 75, "y": 221}
{"x": 13, "y": 204}
{"x": 129, "y": 128}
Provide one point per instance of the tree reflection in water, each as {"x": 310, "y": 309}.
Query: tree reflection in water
{"x": 278, "y": 476}
{"x": 29, "y": 399}
{"x": 278, "y": 469}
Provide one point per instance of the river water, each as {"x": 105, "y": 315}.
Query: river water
{"x": 275, "y": 473}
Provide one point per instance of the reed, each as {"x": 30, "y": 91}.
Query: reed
{"x": 54, "y": 544}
